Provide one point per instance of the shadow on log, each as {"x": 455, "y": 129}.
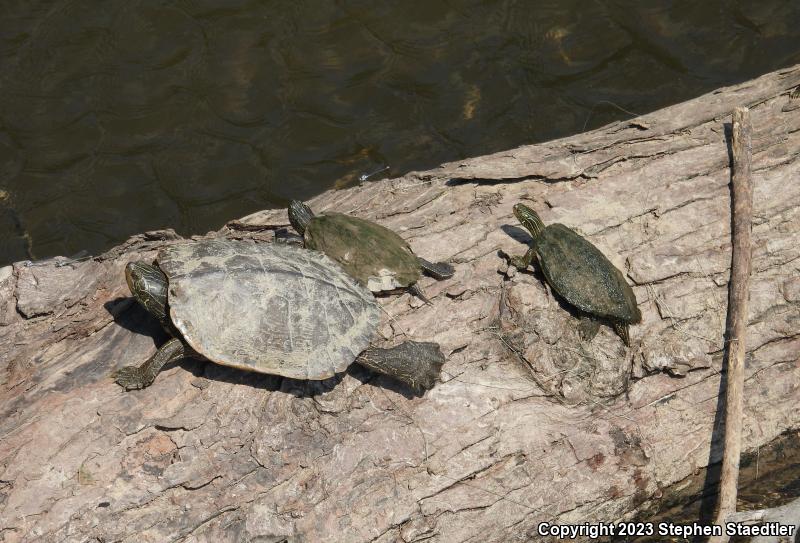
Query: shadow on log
{"x": 212, "y": 453}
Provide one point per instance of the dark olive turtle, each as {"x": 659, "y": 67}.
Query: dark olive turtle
{"x": 267, "y": 308}
{"x": 377, "y": 257}
{"x": 580, "y": 274}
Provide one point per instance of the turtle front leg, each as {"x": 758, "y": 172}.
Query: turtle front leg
{"x": 133, "y": 377}
{"x": 522, "y": 262}
{"x": 414, "y": 363}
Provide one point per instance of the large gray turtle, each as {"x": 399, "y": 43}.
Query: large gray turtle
{"x": 580, "y": 274}
{"x": 377, "y": 257}
{"x": 268, "y": 308}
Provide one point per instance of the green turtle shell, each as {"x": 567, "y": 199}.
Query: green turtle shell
{"x": 268, "y": 308}
{"x": 583, "y": 276}
{"x": 377, "y": 257}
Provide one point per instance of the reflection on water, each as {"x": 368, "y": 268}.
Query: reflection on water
{"x": 123, "y": 116}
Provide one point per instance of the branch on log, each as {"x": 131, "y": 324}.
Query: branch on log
{"x": 212, "y": 453}
{"x": 742, "y": 215}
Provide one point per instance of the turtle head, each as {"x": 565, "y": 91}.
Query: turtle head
{"x": 529, "y": 219}
{"x": 300, "y": 215}
{"x": 148, "y": 284}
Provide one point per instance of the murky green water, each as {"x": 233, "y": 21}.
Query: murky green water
{"x": 122, "y": 116}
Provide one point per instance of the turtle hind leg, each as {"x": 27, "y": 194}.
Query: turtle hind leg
{"x": 588, "y": 328}
{"x": 415, "y": 363}
{"x": 133, "y": 377}
{"x": 621, "y": 329}
{"x": 437, "y": 270}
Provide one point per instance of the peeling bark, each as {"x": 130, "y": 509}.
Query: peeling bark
{"x": 528, "y": 425}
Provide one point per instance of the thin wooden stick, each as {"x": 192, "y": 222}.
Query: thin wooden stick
{"x": 737, "y": 315}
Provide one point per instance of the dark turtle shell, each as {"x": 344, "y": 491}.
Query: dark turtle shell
{"x": 268, "y": 308}
{"x": 373, "y": 254}
{"x": 583, "y": 276}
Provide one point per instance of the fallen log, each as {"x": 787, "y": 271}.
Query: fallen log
{"x": 529, "y": 424}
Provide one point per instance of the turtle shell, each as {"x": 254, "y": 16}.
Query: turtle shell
{"x": 373, "y": 254}
{"x": 268, "y": 308}
{"x": 582, "y": 275}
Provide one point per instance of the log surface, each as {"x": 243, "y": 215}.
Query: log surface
{"x": 530, "y": 424}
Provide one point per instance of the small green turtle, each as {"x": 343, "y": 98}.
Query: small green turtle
{"x": 268, "y": 308}
{"x": 579, "y": 273}
{"x": 377, "y": 257}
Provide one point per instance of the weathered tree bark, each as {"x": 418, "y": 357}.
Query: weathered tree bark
{"x": 529, "y": 424}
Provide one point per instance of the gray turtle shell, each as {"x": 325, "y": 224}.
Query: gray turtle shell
{"x": 268, "y": 308}
{"x": 582, "y": 275}
{"x": 373, "y": 254}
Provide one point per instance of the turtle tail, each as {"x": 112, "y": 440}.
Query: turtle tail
{"x": 529, "y": 219}
{"x": 437, "y": 270}
{"x": 299, "y": 215}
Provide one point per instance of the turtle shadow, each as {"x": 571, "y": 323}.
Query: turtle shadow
{"x": 519, "y": 234}
{"x": 299, "y": 388}
{"x": 134, "y": 318}
{"x": 307, "y": 388}
{"x": 566, "y": 306}
{"x": 211, "y": 371}
{"x": 205, "y": 370}
{"x": 366, "y": 376}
